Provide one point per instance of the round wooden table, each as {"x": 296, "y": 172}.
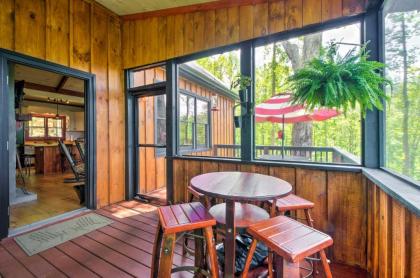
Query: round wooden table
{"x": 238, "y": 186}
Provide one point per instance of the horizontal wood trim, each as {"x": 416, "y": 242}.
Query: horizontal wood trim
{"x": 45, "y": 88}
{"x": 220, "y": 4}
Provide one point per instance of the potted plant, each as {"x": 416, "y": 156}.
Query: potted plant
{"x": 332, "y": 81}
{"x": 241, "y": 82}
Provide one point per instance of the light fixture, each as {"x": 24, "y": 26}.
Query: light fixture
{"x": 214, "y": 102}
{"x": 57, "y": 116}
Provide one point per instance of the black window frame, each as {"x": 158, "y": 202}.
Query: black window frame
{"x": 159, "y": 152}
{"x": 182, "y": 150}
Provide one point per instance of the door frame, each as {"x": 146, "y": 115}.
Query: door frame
{"x": 132, "y": 169}
{"x": 7, "y": 58}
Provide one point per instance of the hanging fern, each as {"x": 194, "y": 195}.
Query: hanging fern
{"x": 339, "y": 82}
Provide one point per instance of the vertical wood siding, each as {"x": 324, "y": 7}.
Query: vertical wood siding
{"x": 393, "y": 237}
{"x": 197, "y": 31}
{"x": 82, "y": 35}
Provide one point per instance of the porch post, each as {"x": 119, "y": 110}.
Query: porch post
{"x": 171, "y": 125}
{"x": 247, "y": 142}
{"x": 372, "y": 125}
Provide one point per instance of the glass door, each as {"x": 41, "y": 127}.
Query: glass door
{"x": 150, "y": 116}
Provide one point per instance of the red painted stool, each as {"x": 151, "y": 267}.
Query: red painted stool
{"x": 177, "y": 219}
{"x": 291, "y": 240}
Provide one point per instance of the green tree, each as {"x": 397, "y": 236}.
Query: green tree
{"x": 401, "y": 57}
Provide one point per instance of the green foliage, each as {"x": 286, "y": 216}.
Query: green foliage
{"x": 241, "y": 82}
{"x": 332, "y": 81}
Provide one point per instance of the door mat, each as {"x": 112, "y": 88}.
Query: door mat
{"x": 45, "y": 238}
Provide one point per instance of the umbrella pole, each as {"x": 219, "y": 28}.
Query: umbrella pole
{"x": 282, "y": 140}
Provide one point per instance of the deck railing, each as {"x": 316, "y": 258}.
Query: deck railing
{"x": 313, "y": 154}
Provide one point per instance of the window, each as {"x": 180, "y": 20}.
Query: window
{"x": 160, "y": 124}
{"x": 194, "y": 132}
{"x": 44, "y": 127}
{"x": 281, "y": 133}
{"x": 401, "y": 21}
{"x": 36, "y": 127}
{"x": 208, "y": 102}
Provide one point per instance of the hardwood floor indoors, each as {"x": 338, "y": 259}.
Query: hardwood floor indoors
{"x": 122, "y": 249}
{"x": 54, "y": 198}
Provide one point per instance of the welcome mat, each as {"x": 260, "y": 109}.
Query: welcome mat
{"x": 45, "y": 238}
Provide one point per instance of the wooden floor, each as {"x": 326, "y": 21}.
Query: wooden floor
{"x": 54, "y": 198}
{"x": 122, "y": 249}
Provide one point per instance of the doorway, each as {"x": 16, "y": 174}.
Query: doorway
{"x": 148, "y": 107}
{"x": 49, "y": 171}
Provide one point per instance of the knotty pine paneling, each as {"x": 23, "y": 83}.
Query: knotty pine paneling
{"x": 191, "y": 32}
{"x": 82, "y": 35}
{"x": 393, "y": 236}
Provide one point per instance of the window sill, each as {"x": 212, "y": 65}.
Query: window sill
{"x": 404, "y": 192}
{"x": 314, "y": 166}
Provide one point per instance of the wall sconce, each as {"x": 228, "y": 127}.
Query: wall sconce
{"x": 214, "y": 102}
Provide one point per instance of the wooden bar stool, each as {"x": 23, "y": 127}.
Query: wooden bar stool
{"x": 291, "y": 240}
{"x": 194, "y": 195}
{"x": 293, "y": 203}
{"x": 177, "y": 219}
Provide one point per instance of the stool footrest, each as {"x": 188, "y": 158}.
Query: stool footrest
{"x": 190, "y": 268}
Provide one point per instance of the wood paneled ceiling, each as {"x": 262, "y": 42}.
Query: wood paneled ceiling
{"x": 124, "y": 7}
{"x": 44, "y": 85}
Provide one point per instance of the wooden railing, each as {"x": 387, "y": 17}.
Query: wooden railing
{"x": 313, "y": 154}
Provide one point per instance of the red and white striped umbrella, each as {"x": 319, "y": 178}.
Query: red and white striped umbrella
{"x": 279, "y": 109}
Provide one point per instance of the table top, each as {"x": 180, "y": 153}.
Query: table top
{"x": 240, "y": 186}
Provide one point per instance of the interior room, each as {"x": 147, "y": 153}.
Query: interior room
{"x": 49, "y": 109}
{"x": 210, "y": 138}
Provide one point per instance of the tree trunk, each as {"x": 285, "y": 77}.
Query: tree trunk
{"x": 302, "y": 132}
{"x": 406, "y": 103}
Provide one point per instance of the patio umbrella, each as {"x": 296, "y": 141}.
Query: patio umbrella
{"x": 280, "y": 109}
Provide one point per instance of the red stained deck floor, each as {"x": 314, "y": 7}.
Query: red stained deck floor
{"x": 122, "y": 249}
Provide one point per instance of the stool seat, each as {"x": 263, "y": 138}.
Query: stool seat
{"x": 293, "y": 202}
{"x": 289, "y": 238}
{"x": 245, "y": 214}
{"x": 184, "y": 217}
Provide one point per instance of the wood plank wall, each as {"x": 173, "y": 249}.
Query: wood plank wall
{"x": 159, "y": 38}
{"x": 340, "y": 200}
{"x": 393, "y": 237}
{"x": 82, "y": 35}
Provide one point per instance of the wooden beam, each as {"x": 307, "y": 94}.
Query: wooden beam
{"x": 220, "y": 4}
{"x": 62, "y": 83}
{"x": 41, "y": 100}
{"x": 39, "y": 87}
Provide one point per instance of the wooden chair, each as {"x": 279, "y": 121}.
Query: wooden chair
{"x": 80, "y": 144}
{"x": 78, "y": 169}
{"x": 293, "y": 203}
{"x": 291, "y": 240}
{"x": 177, "y": 219}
